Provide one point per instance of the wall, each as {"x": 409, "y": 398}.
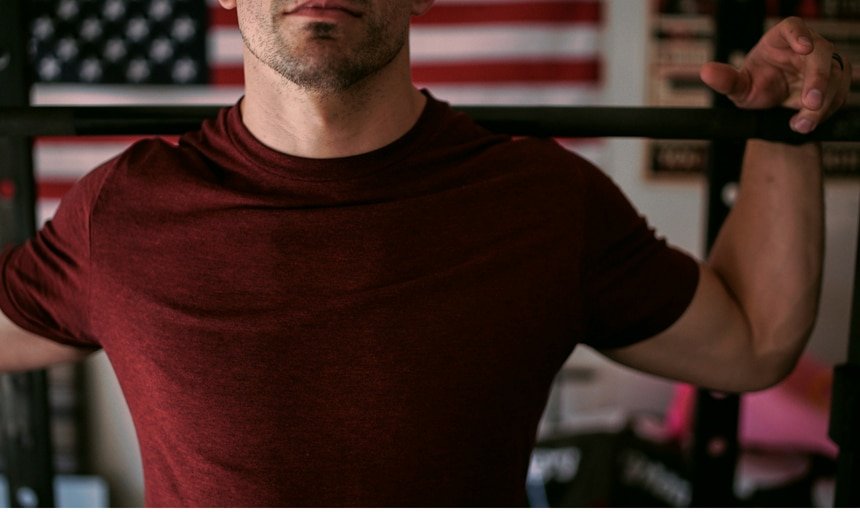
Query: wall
{"x": 675, "y": 209}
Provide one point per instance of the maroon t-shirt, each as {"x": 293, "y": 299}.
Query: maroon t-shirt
{"x": 374, "y": 330}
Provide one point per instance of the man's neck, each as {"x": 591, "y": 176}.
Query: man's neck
{"x": 304, "y": 123}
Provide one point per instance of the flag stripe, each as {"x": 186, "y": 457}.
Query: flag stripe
{"x": 511, "y": 71}
{"x": 53, "y": 189}
{"x": 73, "y": 94}
{"x": 503, "y": 43}
{"x": 518, "y": 12}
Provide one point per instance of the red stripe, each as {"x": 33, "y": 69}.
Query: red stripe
{"x": 520, "y": 12}
{"x": 220, "y": 17}
{"x": 470, "y": 72}
{"x": 538, "y": 11}
{"x": 53, "y": 189}
{"x": 100, "y": 139}
{"x": 508, "y": 72}
{"x": 227, "y": 75}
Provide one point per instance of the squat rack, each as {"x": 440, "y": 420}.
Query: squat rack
{"x": 25, "y": 415}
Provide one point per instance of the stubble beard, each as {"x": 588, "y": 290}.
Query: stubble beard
{"x": 317, "y": 61}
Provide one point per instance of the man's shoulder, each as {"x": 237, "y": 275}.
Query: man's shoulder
{"x": 537, "y": 158}
{"x": 153, "y": 160}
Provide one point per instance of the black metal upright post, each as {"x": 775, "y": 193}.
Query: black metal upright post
{"x": 738, "y": 26}
{"x": 845, "y": 411}
{"x": 25, "y": 428}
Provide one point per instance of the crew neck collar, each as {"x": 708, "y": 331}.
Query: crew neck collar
{"x": 352, "y": 167}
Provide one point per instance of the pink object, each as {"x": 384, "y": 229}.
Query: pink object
{"x": 793, "y": 415}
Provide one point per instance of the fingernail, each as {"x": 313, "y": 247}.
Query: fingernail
{"x": 803, "y": 126}
{"x": 805, "y": 41}
{"x": 814, "y": 99}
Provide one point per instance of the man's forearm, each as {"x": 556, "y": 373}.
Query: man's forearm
{"x": 770, "y": 250}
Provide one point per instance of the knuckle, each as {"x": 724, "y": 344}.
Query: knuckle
{"x": 793, "y": 25}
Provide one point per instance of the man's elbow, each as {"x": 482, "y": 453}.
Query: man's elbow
{"x": 775, "y": 358}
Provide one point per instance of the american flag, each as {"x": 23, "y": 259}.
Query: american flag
{"x": 184, "y": 52}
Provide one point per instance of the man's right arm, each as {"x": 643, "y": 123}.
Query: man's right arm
{"x": 21, "y": 350}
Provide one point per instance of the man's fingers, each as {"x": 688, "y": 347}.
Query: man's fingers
{"x": 793, "y": 33}
{"x": 817, "y": 74}
{"x": 725, "y": 80}
{"x": 791, "y": 66}
{"x": 833, "y": 96}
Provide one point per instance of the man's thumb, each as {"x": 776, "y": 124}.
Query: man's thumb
{"x": 725, "y": 80}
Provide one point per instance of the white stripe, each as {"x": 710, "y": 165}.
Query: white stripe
{"x": 64, "y": 94}
{"x": 498, "y": 42}
{"x": 527, "y": 94}
{"x": 224, "y": 46}
{"x": 71, "y": 160}
{"x": 45, "y": 209}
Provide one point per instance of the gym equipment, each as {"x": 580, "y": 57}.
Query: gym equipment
{"x": 647, "y": 122}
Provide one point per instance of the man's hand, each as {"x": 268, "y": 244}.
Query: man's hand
{"x": 791, "y": 66}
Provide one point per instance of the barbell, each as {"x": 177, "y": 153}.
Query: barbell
{"x": 544, "y": 121}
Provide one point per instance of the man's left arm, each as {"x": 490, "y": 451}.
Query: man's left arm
{"x": 757, "y": 297}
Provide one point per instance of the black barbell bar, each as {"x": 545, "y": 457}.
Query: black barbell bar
{"x": 546, "y": 121}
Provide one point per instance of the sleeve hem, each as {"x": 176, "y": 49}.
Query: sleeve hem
{"x": 8, "y": 307}
{"x": 677, "y": 308}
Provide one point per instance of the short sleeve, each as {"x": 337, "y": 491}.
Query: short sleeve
{"x": 46, "y": 280}
{"x": 635, "y": 284}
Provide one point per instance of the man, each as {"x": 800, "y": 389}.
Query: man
{"x": 341, "y": 292}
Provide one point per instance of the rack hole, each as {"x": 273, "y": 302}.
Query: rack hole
{"x": 5, "y": 59}
{"x": 27, "y": 497}
{"x": 7, "y": 189}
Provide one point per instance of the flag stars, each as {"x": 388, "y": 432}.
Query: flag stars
{"x": 138, "y": 70}
{"x": 137, "y": 29}
{"x": 161, "y": 50}
{"x": 115, "y": 50}
{"x": 67, "y": 10}
{"x": 183, "y": 29}
{"x": 160, "y": 10}
{"x": 49, "y": 69}
{"x": 184, "y": 71}
{"x": 113, "y": 10}
{"x": 90, "y": 70}
{"x": 42, "y": 28}
{"x": 118, "y": 41}
{"x": 91, "y": 29}
{"x": 67, "y": 49}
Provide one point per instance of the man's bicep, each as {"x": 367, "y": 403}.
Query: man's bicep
{"x": 710, "y": 344}
{"x": 21, "y": 350}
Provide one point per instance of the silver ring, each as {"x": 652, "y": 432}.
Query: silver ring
{"x": 838, "y": 59}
